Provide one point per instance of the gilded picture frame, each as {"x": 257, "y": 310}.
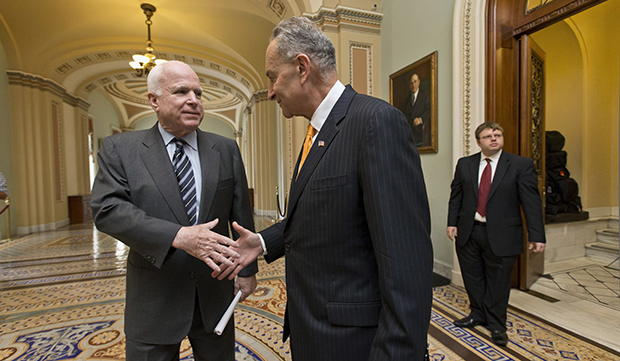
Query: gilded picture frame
{"x": 421, "y": 109}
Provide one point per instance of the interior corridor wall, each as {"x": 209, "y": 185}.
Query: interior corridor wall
{"x": 6, "y": 164}
{"x": 410, "y": 31}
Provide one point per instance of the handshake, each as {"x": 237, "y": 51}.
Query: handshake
{"x": 225, "y": 256}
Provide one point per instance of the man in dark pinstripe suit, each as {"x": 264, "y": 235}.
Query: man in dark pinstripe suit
{"x": 357, "y": 237}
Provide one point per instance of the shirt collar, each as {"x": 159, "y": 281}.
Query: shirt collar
{"x": 322, "y": 112}
{"x": 494, "y": 158}
{"x": 191, "y": 138}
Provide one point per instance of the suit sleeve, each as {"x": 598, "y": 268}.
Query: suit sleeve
{"x": 274, "y": 241}
{"x": 241, "y": 210}
{"x": 530, "y": 200}
{"x": 456, "y": 197}
{"x": 115, "y": 214}
{"x": 398, "y": 217}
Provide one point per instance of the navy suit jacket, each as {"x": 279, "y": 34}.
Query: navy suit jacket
{"x": 136, "y": 199}
{"x": 515, "y": 185}
{"x": 357, "y": 241}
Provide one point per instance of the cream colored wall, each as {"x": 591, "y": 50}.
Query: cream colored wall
{"x": 583, "y": 65}
{"x": 410, "y": 31}
{"x": 71, "y": 158}
{"x": 265, "y": 155}
{"x": 599, "y": 28}
{"x": 344, "y": 38}
{"x": 38, "y": 204}
{"x": 565, "y": 91}
{"x": 6, "y": 162}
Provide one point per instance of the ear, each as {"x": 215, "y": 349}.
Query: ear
{"x": 478, "y": 142}
{"x": 302, "y": 65}
{"x": 153, "y": 101}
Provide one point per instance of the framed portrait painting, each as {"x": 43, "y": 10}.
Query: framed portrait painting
{"x": 413, "y": 90}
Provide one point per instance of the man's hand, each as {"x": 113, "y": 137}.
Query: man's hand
{"x": 417, "y": 121}
{"x": 249, "y": 248}
{"x": 452, "y": 233}
{"x": 246, "y": 285}
{"x": 210, "y": 247}
{"x": 537, "y": 247}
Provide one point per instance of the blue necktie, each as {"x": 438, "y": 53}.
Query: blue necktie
{"x": 185, "y": 176}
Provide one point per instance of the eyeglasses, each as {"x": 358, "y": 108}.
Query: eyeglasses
{"x": 487, "y": 137}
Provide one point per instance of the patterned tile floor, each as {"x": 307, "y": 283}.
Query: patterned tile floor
{"x": 591, "y": 280}
{"x": 62, "y": 298}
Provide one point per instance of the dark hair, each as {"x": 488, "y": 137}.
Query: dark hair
{"x": 488, "y": 125}
{"x": 299, "y": 35}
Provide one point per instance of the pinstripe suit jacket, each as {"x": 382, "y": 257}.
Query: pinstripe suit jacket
{"x": 136, "y": 199}
{"x": 357, "y": 240}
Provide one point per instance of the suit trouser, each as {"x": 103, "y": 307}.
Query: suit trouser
{"x": 487, "y": 279}
{"x": 206, "y": 346}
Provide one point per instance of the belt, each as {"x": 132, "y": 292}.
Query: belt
{"x": 478, "y": 223}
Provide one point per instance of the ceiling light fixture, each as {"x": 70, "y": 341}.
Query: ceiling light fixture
{"x": 144, "y": 63}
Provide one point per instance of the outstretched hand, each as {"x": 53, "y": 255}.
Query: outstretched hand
{"x": 249, "y": 248}
{"x": 206, "y": 245}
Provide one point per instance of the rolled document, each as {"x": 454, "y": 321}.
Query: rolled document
{"x": 224, "y": 320}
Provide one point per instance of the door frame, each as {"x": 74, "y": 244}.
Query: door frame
{"x": 507, "y": 22}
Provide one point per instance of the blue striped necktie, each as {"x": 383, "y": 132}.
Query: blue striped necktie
{"x": 185, "y": 176}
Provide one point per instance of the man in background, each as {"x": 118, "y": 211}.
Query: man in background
{"x": 484, "y": 218}
{"x": 155, "y": 191}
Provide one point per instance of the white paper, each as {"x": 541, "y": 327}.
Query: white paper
{"x": 226, "y": 317}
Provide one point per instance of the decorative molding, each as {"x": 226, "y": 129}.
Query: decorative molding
{"x": 278, "y": 8}
{"x": 136, "y": 88}
{"x": 58, "y": 152}
{"x": 343, "y": 15}
{"x": 536, "y": 110}
{"x": 259, "y": 96}
{"x": 89, "y": 59}
{"x": 47, "y": 85}
{"x": 368, "y": 48}
{"x": 534, "y": 8}
{"x": 571, "y": 7}
{"x": 467, "y": 63}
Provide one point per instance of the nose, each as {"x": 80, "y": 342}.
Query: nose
{"x": 270, "y": 93}
{"x": 193, "y": 98}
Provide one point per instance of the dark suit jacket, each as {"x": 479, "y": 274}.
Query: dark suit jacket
{"x": 421, "y": 109}
{"x": 136, "y": 199}
{"x": 357, "y": 240}
{"x": 515, "y": 183}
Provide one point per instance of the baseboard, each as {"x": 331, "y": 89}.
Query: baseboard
{"x": 22, "y": 231}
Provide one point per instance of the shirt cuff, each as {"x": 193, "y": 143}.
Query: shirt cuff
{"x": 262, "y": 243}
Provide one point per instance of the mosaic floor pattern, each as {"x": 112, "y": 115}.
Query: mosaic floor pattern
{"x": 62, "y": 298}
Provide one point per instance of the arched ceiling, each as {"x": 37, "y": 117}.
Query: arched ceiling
{"x": 86, "y": 45}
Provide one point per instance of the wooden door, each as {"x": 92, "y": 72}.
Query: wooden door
{"x": 532, "y": 139}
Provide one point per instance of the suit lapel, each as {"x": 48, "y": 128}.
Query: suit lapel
{"x": 502, "y": 167}
{"x": 210, "y": 169}
{"x": 162, "y": 172}
{"x": 474, "y": 168}
{"x": 325, "y": 137}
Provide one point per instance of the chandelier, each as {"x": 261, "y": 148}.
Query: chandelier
{"x": 144, "y": 63}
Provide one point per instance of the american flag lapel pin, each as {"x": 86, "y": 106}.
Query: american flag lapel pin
{"x": 321, "y": 143}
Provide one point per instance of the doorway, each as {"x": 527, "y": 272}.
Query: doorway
{"x": 581, "y": 94}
